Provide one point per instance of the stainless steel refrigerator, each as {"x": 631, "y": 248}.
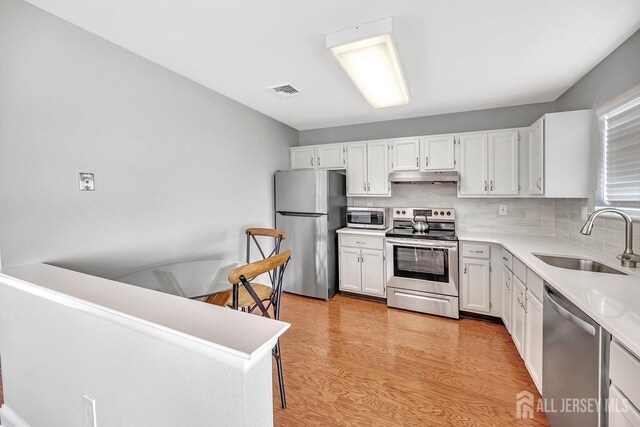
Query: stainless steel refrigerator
{"x": 310, "y": 206}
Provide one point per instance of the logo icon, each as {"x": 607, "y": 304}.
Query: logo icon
{"x": 524, "y": 404}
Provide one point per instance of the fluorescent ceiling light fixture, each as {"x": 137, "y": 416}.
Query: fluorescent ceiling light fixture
{"x": 369, "y": 57}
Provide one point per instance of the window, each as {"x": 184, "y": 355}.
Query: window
{"x": 620, "y": 186}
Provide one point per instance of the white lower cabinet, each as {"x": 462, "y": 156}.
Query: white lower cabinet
{"x": 533, "y": 338}
{"x": 350, "y": 271}
{"x": 518, "y": 293}
{"x": 507, "y": 278}
{"x": 476, "y": 285}
{"x": 372, "y": 263}
{"x": 362, "y": 265}
{"x": 621, "y": 412}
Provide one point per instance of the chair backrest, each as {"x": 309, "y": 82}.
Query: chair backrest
{"x": 274, "y": 265}
{"x": 274, "y": 233}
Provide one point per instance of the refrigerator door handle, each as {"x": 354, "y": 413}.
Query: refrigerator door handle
{"x": 315, "y": 215}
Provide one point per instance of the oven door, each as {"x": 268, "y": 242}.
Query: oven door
{"x": 423, "y": 265}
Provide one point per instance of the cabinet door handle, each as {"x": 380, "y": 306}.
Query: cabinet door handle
{"x": 490, "y": 183}
{"x": 505, "y": 258}
{"x": 362, "y": 259}
{"x": 417, "y": 162}
{"x": 312, "y": 161}
{"x": 538, "y": 183}
{"x": 465, "y": 269}
{"x": 426, "y": 159}
{"x": 485, "y": 185}
{"x": 368, "y": 186}
{"x": 318, "y": 160}
{"x": 360, "y": 243}
{"x": 364, "y": 186}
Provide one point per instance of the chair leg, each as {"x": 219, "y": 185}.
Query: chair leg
{"x": 276, "y": 355}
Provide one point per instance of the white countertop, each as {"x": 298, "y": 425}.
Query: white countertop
{"x": 167, "y": 316}
{"x": 611, "y": 300}
{"x": 363, "y": 231}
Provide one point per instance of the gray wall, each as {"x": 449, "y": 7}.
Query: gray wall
{"x": 616, "y": 74}
{"x": 496, "y": 118}
{"x": 180, "y": 170}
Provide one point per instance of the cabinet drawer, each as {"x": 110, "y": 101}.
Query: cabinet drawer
{"x": 535, "y": 284}
{"x": 624, "y": 371}
{"x": 366, "y": 242}
{"x": 475, "y": 250}
{"x": 622, "y": 413}
{"x": 507, "y": 259}
{"x": 423, "y": 302}
{"x": 520, "y": 270}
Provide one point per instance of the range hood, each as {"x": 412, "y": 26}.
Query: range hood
{"x": 414, "y": 177}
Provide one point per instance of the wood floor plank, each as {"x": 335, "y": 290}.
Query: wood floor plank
{"x": 358, "y": 363}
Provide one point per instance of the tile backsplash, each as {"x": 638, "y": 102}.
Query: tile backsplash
{"x": 608, "y": 233}
{"x": 549, "y": 217}
{"x": 527, "y": 216}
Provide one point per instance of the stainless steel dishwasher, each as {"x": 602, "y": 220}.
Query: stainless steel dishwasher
{"x": 574, "y": 364}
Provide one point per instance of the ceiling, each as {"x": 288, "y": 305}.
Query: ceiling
{"x": 457, "y": 55}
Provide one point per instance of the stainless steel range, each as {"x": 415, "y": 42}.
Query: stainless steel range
{"x": 422, "y": 261}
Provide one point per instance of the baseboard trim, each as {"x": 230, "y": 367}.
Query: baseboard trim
{"x": 478, "y": 316}
{"x": 364, "y": 297}
{"x": 8, "y": 418}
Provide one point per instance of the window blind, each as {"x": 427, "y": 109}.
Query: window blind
{"x": 621, "y": 186}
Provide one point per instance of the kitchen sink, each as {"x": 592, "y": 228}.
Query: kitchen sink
{"x": 578, "y": 264}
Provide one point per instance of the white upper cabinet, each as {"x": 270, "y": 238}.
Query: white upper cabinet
{"x": 327, "y": 156}
{"x": 437, "y": 153}
{"x": 378, "y": 169}
{"x": 536, "y": 157}
{"x": 331, "y": 156}
{"x": 405, "y": 154}
{"x": 489, "y": 164}
{"x": 357, "y": 169}
{"x": 503, "y": 163}
{"x": 368, "y": 169}
{"x": 303, "y": 157}
{"x": 560, "y": 154}
{"x": 473, "y": 167}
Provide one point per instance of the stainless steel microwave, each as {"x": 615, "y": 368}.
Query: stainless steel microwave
{"x": 376, "y": 218}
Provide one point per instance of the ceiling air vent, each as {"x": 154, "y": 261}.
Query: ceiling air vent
{"x": 284, "y": 90}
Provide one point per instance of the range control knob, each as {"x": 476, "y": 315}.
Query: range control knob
{"x": 397, "y": 212}
{"x": 448, "y": 213}
{"x": 404, "y": 212}
{"x": 435, "y": 213}
{"x": 441, "y": 212}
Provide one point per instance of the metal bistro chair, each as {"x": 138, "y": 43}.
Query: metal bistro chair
{"x": 252, "y": 234}
{"x": 241, "y": 276}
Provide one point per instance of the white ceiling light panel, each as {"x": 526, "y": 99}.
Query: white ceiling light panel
{"x": 368, "y": 55}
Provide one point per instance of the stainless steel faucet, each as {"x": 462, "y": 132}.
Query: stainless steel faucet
{"x": 628, "y": 258}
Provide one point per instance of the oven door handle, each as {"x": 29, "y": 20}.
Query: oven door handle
{"x": 413, "y": 244}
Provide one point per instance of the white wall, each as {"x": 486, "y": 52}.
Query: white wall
{"x": 180, "y": 170}
{"x": 55, "y": 348}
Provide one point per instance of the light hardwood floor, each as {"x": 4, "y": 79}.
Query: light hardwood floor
{"x": 355, "y": 362}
